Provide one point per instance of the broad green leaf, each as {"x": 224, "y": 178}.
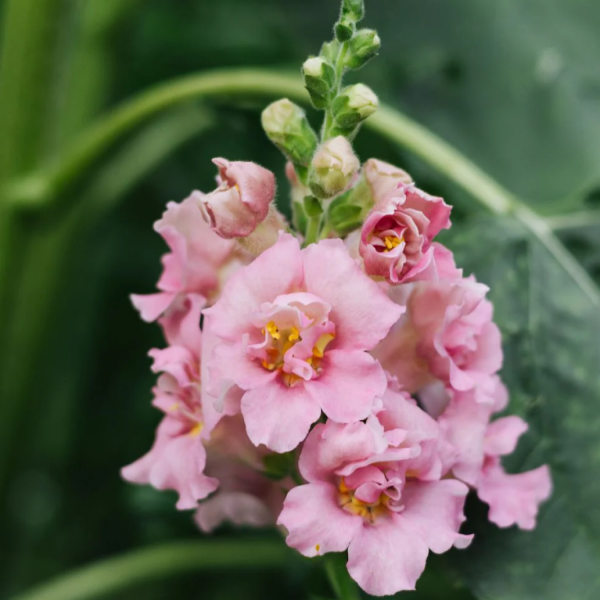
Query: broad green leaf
{"x": 551, "y": 332}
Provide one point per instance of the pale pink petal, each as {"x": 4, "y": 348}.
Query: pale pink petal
{"x": 151, "y": 306}
{"x": 239, "y": 508}
{"x": 178, "y": 362}
{"x": 279, "y": 416}
{"x": 330, "y": 445}
{"x": 255, "y": 183}
{"x": 212, "y": 402}
{"x": 181, "y": 323}
{"x": 387, "y": 556}
{"x": 175, "y": 462}
{"x": 276, "y": 271}
{"x": 435, "y": 510}
{"x": 514, "y": 499}
{"x": 230, "y": 361}
{"x": 503, "y": 435}
{"x": 315, "y": 522}
{"x": 349, "y": 383}
{"x": 464, "y": 424}
{"x": 362, "y": 313}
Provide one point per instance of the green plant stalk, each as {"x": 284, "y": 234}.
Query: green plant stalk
{"x": 328, "y": 122}
{"x": 343, "y": 585}
{"x": 45, "y": 257}
{"x": 388, "y": 122}
{"x": 312, "y": 230}
{"x": 29, "y": 34}
{"x": 150, "y": 564}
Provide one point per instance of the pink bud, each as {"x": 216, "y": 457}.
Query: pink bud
{"x": 242, "y": 199}
{"x": 384, "y": 178}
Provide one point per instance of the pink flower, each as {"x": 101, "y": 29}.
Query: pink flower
{"x": 370, "y": 491}
{"x": 447, "y": 334}
{"x": 242, "y": 199}
{"x": 178, "y": 457}
{"x": 513, "y": 499}
{"x": 195, "y": 263}
{"x": 396, "y": 237}
{"x": 295, "y": 327}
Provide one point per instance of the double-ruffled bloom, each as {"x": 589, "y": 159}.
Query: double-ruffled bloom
{"x": 294, "y": 331}
{"x": 376, "y": 489}
{"x": 396, "y": 238}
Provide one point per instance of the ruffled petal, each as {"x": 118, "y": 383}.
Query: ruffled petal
{"x": 315, "y": 522}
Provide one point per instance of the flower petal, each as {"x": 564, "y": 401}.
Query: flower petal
{"x": 362, "y": 313}
{"x": 435, "y": 509}
{"x": 315, "y": 522}
{"x": 276, "y": 271}
{"x": 279, "y": 416}
{"x": 348, "y": 385}
{"x": 387, "y": 556}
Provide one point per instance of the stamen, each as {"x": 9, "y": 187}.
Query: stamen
{"x": 391, "y": 242}
{"x": 196, "y": 430}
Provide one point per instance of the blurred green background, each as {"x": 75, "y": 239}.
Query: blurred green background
{"x": 513, "y": 84}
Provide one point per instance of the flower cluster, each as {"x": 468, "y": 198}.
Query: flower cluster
{"x": 364, "y": 370}
{"x": 338, "y": 377}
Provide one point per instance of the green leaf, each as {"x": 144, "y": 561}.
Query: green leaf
{"x": 551, "y": 333}
{"x": 514, "y": 85}
{"x": 278, "y": 466}
{"x": 312, "y": 206}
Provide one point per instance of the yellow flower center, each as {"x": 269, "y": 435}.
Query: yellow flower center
{"x": 391, "y": 242}
{"x": 369, "y": 512}
{"x": 281, "y": 340}
{"x": 196, "y": 430}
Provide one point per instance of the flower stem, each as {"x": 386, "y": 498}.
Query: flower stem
{"x": 150, "y": 564}
{"x": 312, "y": 230}
{"x": 343, "y": 585}
{"x": 388, "y": 122}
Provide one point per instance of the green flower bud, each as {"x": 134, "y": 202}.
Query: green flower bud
{"x": 362, "y": 48}
{"x": 344, "y": 29}
{"x": 287, "y": 127}
{"x": 329, "y": 50}
{"x": 332, "y": 168}
{"x": 354, "y": 9}
{"x": 319, "y": 78}
{"x": 353, "y": 105}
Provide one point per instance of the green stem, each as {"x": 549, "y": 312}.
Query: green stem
{"x": 150, "y": 564}
{"x": 312, "y": 230}
{"x": 328, "y": 123}
{"x": 587, "y": 218}
{"x": 342, "y": 584}
{"x": 47, "y": 186}
{"x": 387, "y": 121}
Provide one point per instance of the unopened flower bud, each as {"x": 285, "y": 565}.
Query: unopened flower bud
{"x": 287, "y": 127}
{"x": 319, "y": 78}
{"x": 333, "y": 167}
{"x": 354, "y": 9}
{"x": 242, "y": 199}
{"x": 383, "y": 178}
{"x": 353, "y": 105}
{"x": 362, "y": 48}
{"x": 344, "y": 29}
